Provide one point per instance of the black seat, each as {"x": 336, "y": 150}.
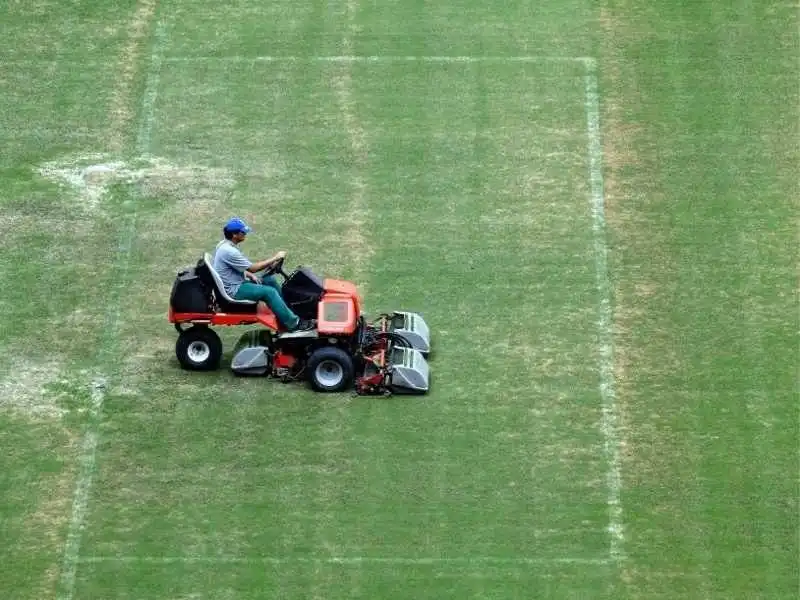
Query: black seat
{"x": 226, "y": 304}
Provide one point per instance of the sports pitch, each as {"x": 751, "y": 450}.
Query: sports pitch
{"x": 593, "y": 204}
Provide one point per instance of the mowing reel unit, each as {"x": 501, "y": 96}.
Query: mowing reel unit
{"x": 394, "y": 349}
{"x": 387, "y": 357}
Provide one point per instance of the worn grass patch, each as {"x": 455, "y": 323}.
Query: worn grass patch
{"x": 37, "y": 473}
{"x": 456, "y": 188}
{"x": 703, "y": 320}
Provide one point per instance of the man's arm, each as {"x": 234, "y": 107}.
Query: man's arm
{"x": 265, "y": 264}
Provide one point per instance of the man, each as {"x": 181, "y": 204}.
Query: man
{"x": 238, "y": 275}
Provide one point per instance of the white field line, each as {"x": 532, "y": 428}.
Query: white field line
{"x": 88, "y": 456}
{"x": 342, "y": 58}
{"x": 66, "y": 61}
{"x": 345, "y": 58}
{"x": 32, "y": 62}
{"x": 151, "y": 90}
{"x": 610, "y": 413}
{"x": 344, "y": 560}
{"x": 80, "y": 500}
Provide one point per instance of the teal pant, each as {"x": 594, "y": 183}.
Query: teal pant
{"x": 270, "y": 292}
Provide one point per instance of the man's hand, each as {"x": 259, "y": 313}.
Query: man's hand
{"x": 278, "y": 257}
{"x": 267, "y": 263}
{"x": 251, "y": 277}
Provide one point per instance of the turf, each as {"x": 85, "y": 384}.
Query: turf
{"x": 461, "y": 188}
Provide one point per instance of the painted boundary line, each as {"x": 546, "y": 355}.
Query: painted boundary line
{"x": 88, "y": 455}
{"x": 342, "y": 560}
{"x": 344, "y": 58}
{"x": 151, "y": 90}
{"x": 80, "y": 499}
{"x": 610, "y": 411}
{"x": 348, "y": 58}
{"x": 610, "y": 416}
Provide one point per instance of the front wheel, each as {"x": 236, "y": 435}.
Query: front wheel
{"x": 198, "y": 349}
{"x": 330, "y": 370}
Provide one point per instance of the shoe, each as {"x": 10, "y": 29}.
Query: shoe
{"x": 305, "y": 325}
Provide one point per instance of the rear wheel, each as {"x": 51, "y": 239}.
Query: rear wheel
{"x": 330, "y": 370}
{"x": 198, "y": 349}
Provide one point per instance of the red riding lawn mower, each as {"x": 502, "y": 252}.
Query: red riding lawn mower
{"x": 384, "y": 356}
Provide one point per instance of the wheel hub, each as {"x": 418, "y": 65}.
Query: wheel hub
{"x": 198, "y": 352}
{"x": 329, "y": 373}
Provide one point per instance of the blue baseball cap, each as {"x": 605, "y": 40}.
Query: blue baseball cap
{"x": 236, "y": 225}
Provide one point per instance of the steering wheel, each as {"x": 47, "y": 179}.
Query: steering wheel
{"x": 277, "y": 267}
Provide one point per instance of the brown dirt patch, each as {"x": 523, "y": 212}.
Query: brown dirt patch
{"x": 23, "y": 390}
{"x": 356, "y": 241}
{"x": 120, "y": 112}
{"x": 46, "y": 523}
{"x": 620, "y": 136}
{"x": 193, "y": 195}
{"x": 621, "y": 140}
{"x": 633, "y": 193}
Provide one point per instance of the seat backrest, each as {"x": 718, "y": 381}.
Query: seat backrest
{"x": 220, "y": 287}
{"x": 215, "y": 276}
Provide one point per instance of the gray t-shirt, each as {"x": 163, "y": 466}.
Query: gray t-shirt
{"x": 230, "y": 263}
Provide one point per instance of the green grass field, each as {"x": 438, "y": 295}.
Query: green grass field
{"x": 593, "y": 204}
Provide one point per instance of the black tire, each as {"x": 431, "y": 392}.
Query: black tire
{"x": 199, "y": 349}
{"x": 330, "y": 370}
